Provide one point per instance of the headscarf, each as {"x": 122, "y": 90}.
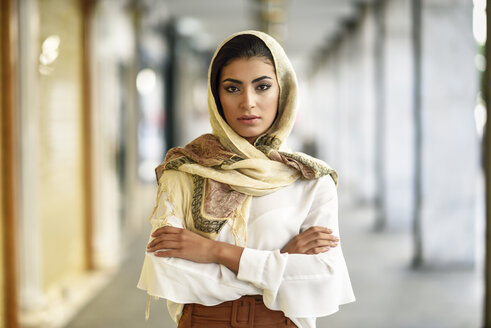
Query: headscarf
{"x": 224, "y": 171}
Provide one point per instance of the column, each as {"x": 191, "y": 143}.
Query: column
{"x": 398, "y": 126}
{"x": 30, "y": 263}
{"x": 449, "y": 153}
{"x": 113, "y": 44}
{"x": 366, "y": 106}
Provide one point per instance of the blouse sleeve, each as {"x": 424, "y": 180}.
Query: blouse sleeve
{"x": 180, "y": 280}
{"x": 303, "y": 286}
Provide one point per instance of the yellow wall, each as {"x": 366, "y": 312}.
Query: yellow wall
{"x": 2, "y": 305}
{"x": 60, "y": 144}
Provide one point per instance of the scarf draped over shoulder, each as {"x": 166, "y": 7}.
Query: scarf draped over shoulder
{"x": 226, "y": 170}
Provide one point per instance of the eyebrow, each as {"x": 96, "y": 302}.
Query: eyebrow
{"x": 264, "y": 77}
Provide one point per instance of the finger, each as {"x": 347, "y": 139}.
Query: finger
{"x": 165, "y": 244}
{"x": 311, "y": 239}
{"x": 166, "y": 229}
{"x": 321, "y": 243}
{"x": 162, "y": 237}
{"x": 317, "y": 230}
{"x": 158, "y": 232}
{"x": 323, "y": 229}
{"x": 166, "y": 253}
{"x": 333, "y": 238}
{"x": 318, "y": 250}
{"x": 320, "y": 235}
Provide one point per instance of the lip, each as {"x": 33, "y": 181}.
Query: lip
{"x": 248, "y": 119}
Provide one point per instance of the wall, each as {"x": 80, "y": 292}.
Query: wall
{"x": 60, "y": 152}
{"x": 2, "y": 305}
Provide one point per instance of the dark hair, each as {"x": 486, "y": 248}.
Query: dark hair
{"x": 241, "y": 46}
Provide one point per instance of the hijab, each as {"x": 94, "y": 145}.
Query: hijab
{"x": 224, "y": 171}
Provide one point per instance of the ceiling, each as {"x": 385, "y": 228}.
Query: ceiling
{"x": 307, "y": 25}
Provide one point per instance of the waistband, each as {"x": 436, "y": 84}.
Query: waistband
{"x": 245, "y": 312}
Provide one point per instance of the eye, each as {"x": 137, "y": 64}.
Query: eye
{"x": 231, "y": 89}
{"x": 264, "y": 86}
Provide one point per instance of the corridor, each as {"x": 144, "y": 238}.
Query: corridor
{"x": 392, "y": 94}
{"x": 389, "y": 293}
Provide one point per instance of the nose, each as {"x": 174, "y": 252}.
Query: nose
{"x": 248, "y": 100}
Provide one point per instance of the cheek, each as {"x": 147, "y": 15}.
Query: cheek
{"x": 272, "y": 103}
{"x": 225, "y": 104}
{"x": 223, "y": 99}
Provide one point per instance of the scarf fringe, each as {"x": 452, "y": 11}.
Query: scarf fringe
{"x": 147, "y": 309}
{"x": 238, "y": 222}
{"x": 161, "y": 201}
{"x": 159, "y": 193}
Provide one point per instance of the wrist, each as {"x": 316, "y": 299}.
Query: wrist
{"x": 227, "y": 255}
{"x": 216, "y": 251}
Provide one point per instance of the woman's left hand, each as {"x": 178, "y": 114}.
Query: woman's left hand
{"x": 314, "y": 240}
{"x": 176, "y": 242}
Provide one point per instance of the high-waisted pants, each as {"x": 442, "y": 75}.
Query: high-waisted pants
{"x": 245, "y": 312}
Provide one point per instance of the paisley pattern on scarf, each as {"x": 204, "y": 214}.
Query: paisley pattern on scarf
{"x": 315, "y": 167}
{"x": 200, "y": 222}
{"x": 205, "y": 150}
{"x": 227, "y": 170}
{"x": 310, "y": 167}
{"x": 214, "y": 202}
{"x": 266, "y": 142}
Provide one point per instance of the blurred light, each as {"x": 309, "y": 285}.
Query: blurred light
{"x": 145, "y": 81}
{"x": 146, "y": 169}
{"x": 203, "y": 41}
{"x": 480, "y": 62}
{"x": 480, "y": 117}
{"x": 52, "y": 43}
{"x": 187, "y": 26}
{"x": 49, "y": 53}
{"x": 45, "y": 70}
{"x": 479, "y": 21}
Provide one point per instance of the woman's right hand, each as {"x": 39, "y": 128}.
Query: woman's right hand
{"x": 314, "y": 240}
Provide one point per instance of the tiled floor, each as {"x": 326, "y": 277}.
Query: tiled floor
{"x": 389, "y": 293}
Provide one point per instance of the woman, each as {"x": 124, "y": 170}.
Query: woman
{"x": 244, "y": 233}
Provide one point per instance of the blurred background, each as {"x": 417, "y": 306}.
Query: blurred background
{"x": 392, "y": 95}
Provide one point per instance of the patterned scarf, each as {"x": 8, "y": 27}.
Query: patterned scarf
{"x": 224, "y": 171}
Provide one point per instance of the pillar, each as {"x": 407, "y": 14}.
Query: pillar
{"x": 30, "y": 256}
{"x": 487, "y": 166}
{"x": 449, "y": 145}
{"x": 366, "y": 106}
{"x": 397, "y": 153}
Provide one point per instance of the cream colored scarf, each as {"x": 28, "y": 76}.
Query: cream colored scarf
{"x": 227, "y": 170}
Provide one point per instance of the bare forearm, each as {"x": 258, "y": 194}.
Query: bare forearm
{"x": 184, "y": 244}
{"x": 227, "y": 255}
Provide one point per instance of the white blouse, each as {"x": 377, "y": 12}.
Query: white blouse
{"x": 302, "y": 286}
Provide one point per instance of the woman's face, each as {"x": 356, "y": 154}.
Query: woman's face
{"x": 249, "y": 93}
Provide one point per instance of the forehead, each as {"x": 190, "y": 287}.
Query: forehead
{"x": 248, "y": 67}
